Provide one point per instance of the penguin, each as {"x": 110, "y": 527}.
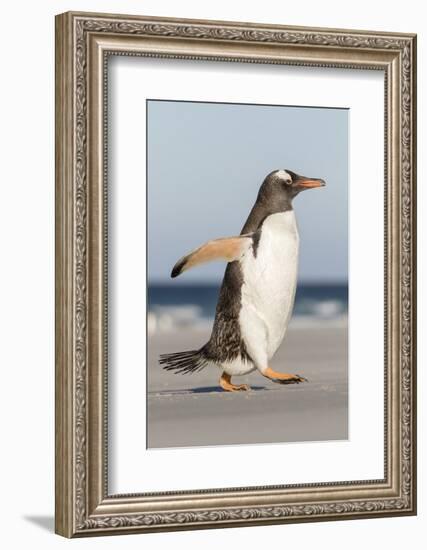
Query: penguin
{"x": 257, "y": 294}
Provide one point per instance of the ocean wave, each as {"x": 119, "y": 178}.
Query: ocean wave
{"x": 323, "y": 309}
{"x": 168, "y": 318}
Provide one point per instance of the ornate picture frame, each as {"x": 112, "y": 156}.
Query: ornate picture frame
{"x": 84, "y": 42}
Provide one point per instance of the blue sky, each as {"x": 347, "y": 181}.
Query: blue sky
{"x": 206, "y": 162}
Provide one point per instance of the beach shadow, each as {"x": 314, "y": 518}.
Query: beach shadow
{"x": 218, "y": 389}
{"x": 45, "y": 522}
{"x": 202, "y": 390}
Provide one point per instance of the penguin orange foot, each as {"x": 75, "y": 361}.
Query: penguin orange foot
{"x": 226, "y": 385}
{"x": 283, "y": 378}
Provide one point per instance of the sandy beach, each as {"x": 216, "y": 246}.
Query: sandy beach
{"x": 189, "y": 410}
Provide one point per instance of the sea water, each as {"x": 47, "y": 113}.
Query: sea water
{"x": 194, "y": 305}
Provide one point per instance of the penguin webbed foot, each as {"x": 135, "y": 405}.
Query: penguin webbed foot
{"x": 227, "y": 385}
{"x": 296, "y": 380}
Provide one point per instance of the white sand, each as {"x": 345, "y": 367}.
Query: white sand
{"x": 188, "y": 410}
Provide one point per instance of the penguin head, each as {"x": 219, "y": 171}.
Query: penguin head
{"x": 284, "y": 185}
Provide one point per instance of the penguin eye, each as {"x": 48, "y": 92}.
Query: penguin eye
{"x": 288, "y": 182}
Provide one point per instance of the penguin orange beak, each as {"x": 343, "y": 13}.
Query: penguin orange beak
{"x": 310, "y": 183}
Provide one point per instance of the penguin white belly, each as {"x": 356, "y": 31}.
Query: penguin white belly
{"x": 268, "y": 290}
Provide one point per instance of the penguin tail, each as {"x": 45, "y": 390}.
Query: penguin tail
{"x": 184, "y": 362}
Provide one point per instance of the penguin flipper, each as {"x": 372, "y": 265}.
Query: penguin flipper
{"x": 228, "y": 249}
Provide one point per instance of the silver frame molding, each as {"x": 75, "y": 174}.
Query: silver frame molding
{"x": 83, "y": 43}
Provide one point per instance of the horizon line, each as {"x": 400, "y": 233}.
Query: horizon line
{"x": 167, "y": 282}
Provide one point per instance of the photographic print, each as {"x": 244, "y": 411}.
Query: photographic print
{"x": 247, "y": 323}
{"x": 235, "y": 274}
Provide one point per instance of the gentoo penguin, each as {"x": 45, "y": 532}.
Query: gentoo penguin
{"x": 258, "y": 290}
